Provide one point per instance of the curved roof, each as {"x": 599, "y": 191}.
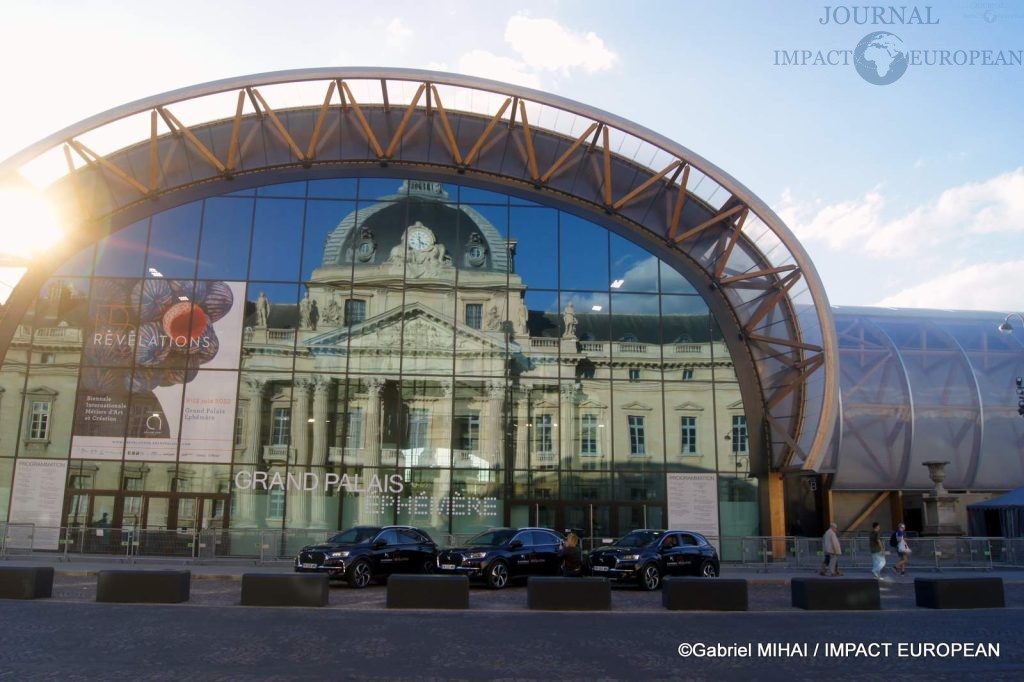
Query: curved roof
{"x": 923, "y": 385}
{"x": 216, "y": 137}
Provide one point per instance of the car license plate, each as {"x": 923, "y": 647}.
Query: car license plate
{"x": 308, "y": 566}
{"x": 600, "y": 568}
{"x": 448, "y": 567}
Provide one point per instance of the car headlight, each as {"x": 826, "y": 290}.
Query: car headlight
{"x": 338, "y": 555}
{"x": 476, "y": 555}
{"x": 631, "y": 557}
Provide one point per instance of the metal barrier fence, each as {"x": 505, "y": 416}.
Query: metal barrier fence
{"x": 260, "y": 546}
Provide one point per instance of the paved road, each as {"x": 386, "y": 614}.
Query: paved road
{"x": 70, "y": 637}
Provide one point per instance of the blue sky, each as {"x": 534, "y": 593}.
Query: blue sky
{"x": 910, "y": 194}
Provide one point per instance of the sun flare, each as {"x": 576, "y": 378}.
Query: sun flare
{"x": 29, "y": 225}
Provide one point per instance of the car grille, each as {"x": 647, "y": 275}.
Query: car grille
{"x": 311, "y": 558}
{"x": 604, "y": 560}
{"x": 452, "y": 558}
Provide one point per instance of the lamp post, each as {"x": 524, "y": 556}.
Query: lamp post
{"x": 1005, "y": 327}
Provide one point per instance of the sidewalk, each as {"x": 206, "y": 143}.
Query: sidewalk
{"x": 228, "y": 569}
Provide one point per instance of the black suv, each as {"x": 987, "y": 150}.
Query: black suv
{"x": 501, "y": 554}
{"x": 645, "y": 556}
{"x": 364, "y": 553}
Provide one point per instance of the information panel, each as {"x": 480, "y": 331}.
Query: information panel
{"x": 693, "y": 503}
{"x": 37, "y": 498}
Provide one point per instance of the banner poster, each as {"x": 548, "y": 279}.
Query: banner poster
{"x": 146, "y": 341}
{"x": 37, "y": 498}
{"x": 208, "y": 420}
{"x": 693, "y": 503}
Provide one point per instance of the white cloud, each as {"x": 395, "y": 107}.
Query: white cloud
{"x": 982, "y": 286}
{"x": 837, "y": 225}
{"x": 397, "y": 34}
{"x": 546, "y": 45}
{"x": 489, "y": 65}
{"x": 993, "y": 205}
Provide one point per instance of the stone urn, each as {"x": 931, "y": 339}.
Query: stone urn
{"x": 940, "y": 515}
{"x": 937, "y": 472}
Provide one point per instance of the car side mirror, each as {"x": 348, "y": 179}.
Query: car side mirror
{"x": 380, "y": 543}
{"x": 515, "y": 544}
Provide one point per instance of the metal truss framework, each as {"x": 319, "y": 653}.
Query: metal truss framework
{"x": 915, "y": 380}
{"x": 761, "y": 286}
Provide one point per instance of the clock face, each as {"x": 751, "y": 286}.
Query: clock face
{"x": 420, "y": 239}
{"x": 476, "y": 255}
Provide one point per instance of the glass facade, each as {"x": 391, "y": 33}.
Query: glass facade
{"x": 326, "y": 353}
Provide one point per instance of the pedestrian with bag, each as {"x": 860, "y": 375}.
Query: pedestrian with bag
{"x": 831, "y": 548}
{"x": 899, "y": 541}
{"x": 877, "y": 551}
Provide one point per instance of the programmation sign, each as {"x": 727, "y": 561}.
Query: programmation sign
{"x": 37, "y": 498}
{"x": 693, "y": 502}
{"x": 150, "y": 349}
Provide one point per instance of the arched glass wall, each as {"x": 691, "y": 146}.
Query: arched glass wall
{"x": 923, "y": 386}
{"x": 324, "y": 353}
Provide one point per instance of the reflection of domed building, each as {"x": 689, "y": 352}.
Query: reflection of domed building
{"x": 456, "y": 307}
{"x": 426, "y": 355}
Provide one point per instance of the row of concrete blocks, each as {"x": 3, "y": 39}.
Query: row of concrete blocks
{"x": 543, "y": 593}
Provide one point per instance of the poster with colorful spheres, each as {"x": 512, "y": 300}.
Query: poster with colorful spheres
{"x": 160, "y": 363}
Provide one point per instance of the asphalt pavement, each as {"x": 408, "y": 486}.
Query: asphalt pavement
{"x": 212, "y": 637}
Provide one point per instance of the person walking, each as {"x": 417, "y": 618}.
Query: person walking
{"x": 902, "y": 549}
{"x": 877, "y": 551}
{"x": 572, "y": 556}
{"x": 832, "y": 549}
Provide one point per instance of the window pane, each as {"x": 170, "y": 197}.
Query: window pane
{"x": 79, "y": 264}
{"x": 536, "y": 233}
{"x": 122, "y": 254}
{"x": 583, "y": 254}
{"x": 277, "y": 240}
{"x": 173, "y": 239}
{"x": 223, "y": 252}
{"x": 322, "y": 219}
{"x": 633, "y": 268}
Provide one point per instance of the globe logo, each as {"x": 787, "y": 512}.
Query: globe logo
{"x": 880, "y": 58}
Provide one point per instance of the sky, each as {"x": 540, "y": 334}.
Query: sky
{"x": 906, "y": 195}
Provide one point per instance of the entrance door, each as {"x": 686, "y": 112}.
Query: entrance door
{"x": 170, "y": 523}
{"x": 92, "y": 521}
{"x": 534, "y": 514}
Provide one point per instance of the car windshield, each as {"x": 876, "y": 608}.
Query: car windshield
{"x": 639, "y": 538}
{"x": 354, "y": 535}
{"x": 491, "y": 538}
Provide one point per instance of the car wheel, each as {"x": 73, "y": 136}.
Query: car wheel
{"x": 650, "y": 577}
{"x": 708, "y": 570}
{"x": 360, "y": 575}
{"x": 429, "y": 566}
{"x": 497, "y": 575}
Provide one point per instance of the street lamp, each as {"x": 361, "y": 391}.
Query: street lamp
{"x": 1006, "y": 327}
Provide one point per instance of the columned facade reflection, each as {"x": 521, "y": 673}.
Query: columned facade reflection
{"x": 410, "y": 352}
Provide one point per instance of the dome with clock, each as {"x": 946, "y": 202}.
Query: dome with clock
{"x": 420, "y": 218}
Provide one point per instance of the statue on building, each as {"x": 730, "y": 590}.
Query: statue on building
{"x": 262, "y": 310}
{"x": 569, "y": 321}
{"x": 333, "y": 313}
{"x": 314, "y": 315}
{"x": 519, "y": 316}
{"x": 493, "y": 320}
{"x": 306, "y": 312}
